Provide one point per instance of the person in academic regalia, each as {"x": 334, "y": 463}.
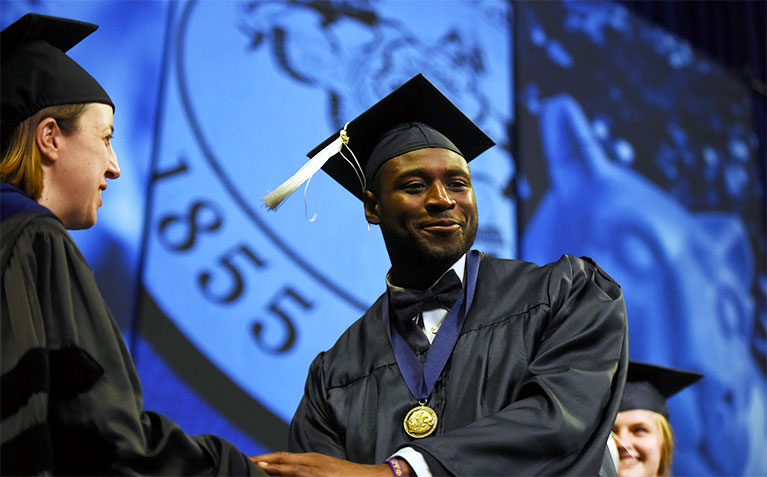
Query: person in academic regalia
{"x": 467, "y": 364}
{"x": 642, "y": 432}
{"x": 70, "y": 397}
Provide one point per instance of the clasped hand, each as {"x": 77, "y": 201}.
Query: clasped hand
{"x": 319, "y": 465}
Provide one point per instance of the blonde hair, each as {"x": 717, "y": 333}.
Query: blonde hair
{"x": 22, "y": 163}
{"x": 667, "y": 446}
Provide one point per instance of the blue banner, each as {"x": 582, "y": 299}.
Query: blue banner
{"x": 640, "y": 152}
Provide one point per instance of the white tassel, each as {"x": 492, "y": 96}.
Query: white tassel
{"x": 275, "y": 198}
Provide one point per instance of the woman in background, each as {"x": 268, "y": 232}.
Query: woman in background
{"x": 642, "y": 431}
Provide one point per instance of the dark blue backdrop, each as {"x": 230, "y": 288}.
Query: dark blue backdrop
{"x": 639, "y": 151}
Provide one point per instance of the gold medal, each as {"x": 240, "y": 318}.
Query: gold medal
{"x": 420, "y": 421}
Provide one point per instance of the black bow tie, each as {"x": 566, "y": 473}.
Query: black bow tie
{"x": 408, "y": 303}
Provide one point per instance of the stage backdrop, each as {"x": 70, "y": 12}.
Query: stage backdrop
{"x": 629, "y": 147}
{"x": 638, "y": 151}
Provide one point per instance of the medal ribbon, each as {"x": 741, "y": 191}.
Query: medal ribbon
{"x": 421, "y": 378}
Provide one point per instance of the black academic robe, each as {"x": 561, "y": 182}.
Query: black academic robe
{"x": 70, "y": 396}
{"x": 532, "y": 386}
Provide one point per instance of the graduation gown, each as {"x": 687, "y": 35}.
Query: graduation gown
{"x": 532, "y": 386}
{"x": 71, "y": 398}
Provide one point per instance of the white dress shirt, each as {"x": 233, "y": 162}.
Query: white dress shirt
{"x": 430, "y": 324}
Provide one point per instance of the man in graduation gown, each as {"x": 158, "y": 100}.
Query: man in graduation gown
{"x": 71, "y": 399}
{"x": 467, "y": 364}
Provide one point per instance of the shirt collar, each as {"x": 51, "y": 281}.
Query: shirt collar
{"x": 459, "y": 267}
{"x": 14, "y": 201}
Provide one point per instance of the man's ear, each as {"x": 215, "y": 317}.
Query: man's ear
{"x": 371, "y": 208}
{"x": 47, "y": 136}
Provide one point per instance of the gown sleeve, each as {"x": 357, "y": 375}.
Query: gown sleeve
{"x": 561, "y": 415}
{"x": 311, "y": 429}
{"x": 76, "y": 405}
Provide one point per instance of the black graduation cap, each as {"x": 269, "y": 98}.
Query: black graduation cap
{"x": 424, "y": 118}
{"x": 648, "y": 386}
{"x": 36, "y": 72}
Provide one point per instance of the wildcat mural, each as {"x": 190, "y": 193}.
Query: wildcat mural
{"x": 686, "y": 277}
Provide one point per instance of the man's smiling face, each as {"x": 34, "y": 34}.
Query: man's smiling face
{"x": 425, "y": 206}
